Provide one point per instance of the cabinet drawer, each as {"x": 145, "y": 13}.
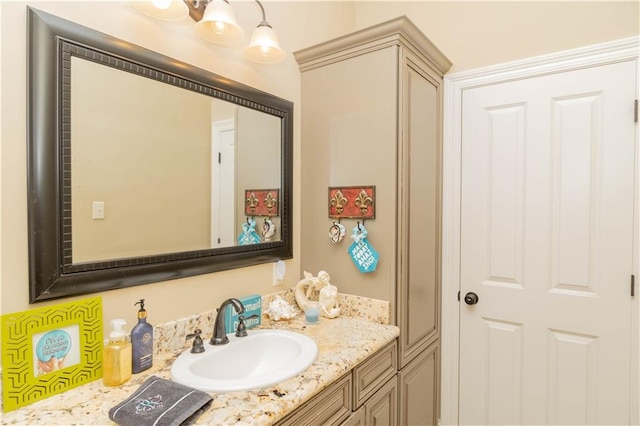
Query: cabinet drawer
{"x": 374, "y": 372}
{"x": 330, "y": 407}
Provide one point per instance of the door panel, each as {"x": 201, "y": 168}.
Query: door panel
{"x": 546, "y": 244}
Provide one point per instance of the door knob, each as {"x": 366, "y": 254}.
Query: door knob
{"x": 471, "y": 298}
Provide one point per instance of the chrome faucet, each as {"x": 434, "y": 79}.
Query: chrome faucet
{"x": 219, "y": 329}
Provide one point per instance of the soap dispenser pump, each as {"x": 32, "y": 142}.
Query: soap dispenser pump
{"x": 117, "y": 356}
{"x": 142, "y": 341}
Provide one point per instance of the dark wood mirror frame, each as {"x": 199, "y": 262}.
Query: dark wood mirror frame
{"x": 51, "y": 42}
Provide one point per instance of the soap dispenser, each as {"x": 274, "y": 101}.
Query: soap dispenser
{"x": 142, "y": 341}
{"x": 117, "y": 356}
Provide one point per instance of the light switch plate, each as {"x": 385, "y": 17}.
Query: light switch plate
{"x": 98, "y": 210}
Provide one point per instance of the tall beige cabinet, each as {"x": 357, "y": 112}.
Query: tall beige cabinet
{"x": 372, "y": 115}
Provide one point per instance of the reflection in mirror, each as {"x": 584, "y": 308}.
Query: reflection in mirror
{"x": 165, "y": 170}
{"x": 138, "y": 164}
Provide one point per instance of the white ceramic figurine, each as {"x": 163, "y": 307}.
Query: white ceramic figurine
{"x": 327, "y": 293}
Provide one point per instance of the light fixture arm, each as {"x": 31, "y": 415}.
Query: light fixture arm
{"x": 196, "y": 10}
{"x": 264, "y": 22}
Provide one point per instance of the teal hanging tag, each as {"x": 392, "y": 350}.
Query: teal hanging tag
{"x": 363, "y": 255}
{"x": 249, "y": 234}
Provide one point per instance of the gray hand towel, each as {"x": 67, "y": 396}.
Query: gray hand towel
{"x": 160, "y": 402}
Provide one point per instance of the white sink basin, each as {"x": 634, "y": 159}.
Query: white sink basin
{"x": 261, "y": 359}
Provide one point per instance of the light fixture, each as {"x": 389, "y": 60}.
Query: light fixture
{"x": 165, "y": 10}
{"x": 216, "y": 23}
{"x": 264, "y": 47}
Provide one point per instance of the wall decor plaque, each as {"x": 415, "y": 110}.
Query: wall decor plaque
{"x": 352, "y": 202}
{"x": 262, "y": 202}
{"x": 50, "y": 350}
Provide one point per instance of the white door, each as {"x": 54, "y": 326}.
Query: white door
{"x": 223, "y": 160}
{"x": 546, "y": 244}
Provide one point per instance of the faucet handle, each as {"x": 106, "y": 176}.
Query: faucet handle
{"x": 198, "y": 345}
{"x": 241, "y": 330}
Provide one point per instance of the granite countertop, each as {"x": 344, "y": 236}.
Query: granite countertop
{"x": 343, "y": 343}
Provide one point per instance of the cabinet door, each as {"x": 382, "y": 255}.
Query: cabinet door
{"x": 419, "y": 183}
{"x": 356, "y": 419}
{"x": 382, "y": 408}
{"x": 418, "y": 389}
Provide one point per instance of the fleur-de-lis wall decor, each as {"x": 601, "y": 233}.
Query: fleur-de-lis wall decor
{"x": 271, "y": 203}
{"x": 357, "y": 202}
{"x": 262, "y": 202}
{"x": 252, "y": 202}
{"x": 363, "y": 201}
{"x": 338, "y": 201}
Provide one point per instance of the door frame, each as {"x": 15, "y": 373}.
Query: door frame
{"x": 217, "y": 129}
{"x": 454, "y": 86}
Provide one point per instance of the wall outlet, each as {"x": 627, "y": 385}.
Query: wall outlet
{"x": 279, "y": 271}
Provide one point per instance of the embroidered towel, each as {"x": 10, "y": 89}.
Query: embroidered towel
{"x": 160, "y": 402}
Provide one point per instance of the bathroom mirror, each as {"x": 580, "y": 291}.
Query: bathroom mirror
{"x": 140, "y": 166}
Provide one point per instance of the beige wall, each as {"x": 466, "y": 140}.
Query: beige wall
{"x": 478, "y": 33}
{"x": 156, "y": 200}
{"x": 471, "y": 34}
{"x": 258, "y": 155}
{"x": 350, "y": 133}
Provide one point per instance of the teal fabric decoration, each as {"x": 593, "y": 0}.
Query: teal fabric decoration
{"x": 249, "y": 234}
{"x": 362, "y": 253}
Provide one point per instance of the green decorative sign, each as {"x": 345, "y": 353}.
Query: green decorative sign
{"x": 50, "y": 350}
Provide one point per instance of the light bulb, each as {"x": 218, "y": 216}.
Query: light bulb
{"x": 220, "y": 27}
{"x": 264, "y": 47}
{"x": 162, "y": 4}
{"x": 165, "y": 10}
